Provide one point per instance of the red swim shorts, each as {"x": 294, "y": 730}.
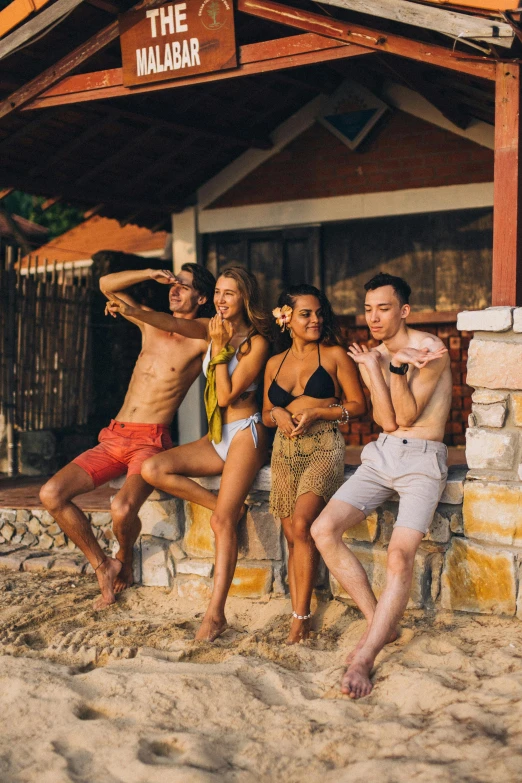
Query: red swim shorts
{"x": 123, "y": 448}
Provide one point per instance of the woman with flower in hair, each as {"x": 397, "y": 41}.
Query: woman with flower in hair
{"x": 237, "y": 341}
{"x": 310, "y": 388}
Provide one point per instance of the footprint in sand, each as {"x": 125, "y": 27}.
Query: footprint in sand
{"x": 89, "y": 645}
{"x": 85, "y": 712}
{"x": 158, "y": 753}
{"x": 183, "y": 750}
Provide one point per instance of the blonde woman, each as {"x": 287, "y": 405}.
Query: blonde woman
{"x": 303, "y": 388}
{"x": 238, "y": 348}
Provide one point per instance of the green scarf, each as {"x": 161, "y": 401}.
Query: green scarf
{"x": 210, "y": 396}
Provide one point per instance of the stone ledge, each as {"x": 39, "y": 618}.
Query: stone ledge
{"x": 453, "y": 493}
{"x": 492, "y": 319}
{"x": 517, "y": 319}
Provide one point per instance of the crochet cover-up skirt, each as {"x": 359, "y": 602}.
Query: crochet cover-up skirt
{"x": 313, "y": 462}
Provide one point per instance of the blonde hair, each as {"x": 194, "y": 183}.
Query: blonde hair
{"x": 255, "y": 315}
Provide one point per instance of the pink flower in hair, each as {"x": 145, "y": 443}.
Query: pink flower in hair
{"x": 282, "y": 315}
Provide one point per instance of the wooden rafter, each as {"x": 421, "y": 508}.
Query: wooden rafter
{"x": 16, "y": 135}
{"x": 414, "y": 78}
{"x": 50, "y": 202}
{"x": 35, "y": 26}
{"x": 114, "y": 157}
{"x": 291, "y": 52}
{"x": 68, "y": 191}
{"x": 211, "y": 132}
{"x": 427, "y": 17}
{"x": 148, "y": 172}
{"x": 367, "y": 37}
{"x": 51, "y": 75}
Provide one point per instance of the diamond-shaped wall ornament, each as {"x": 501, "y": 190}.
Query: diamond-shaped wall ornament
{"x": 352, "y": 112}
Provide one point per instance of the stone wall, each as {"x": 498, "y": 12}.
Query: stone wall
{"x": 483, "y": 566}
{"x": 176, "y": 548}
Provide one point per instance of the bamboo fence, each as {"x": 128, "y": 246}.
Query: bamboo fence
{"x": 45, "y": 371}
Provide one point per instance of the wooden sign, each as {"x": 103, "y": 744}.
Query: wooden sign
{"x": 177, "y": 40}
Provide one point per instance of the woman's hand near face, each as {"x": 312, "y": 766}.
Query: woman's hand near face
{"x": 220, "y": 332}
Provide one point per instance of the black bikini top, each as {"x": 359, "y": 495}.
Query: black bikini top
{"x": 319, "y": 385}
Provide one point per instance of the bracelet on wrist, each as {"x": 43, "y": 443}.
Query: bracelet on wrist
{"x": 344, "y": 417}
{"x": 272, "y": 414}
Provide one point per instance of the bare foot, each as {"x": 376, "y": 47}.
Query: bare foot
{"x": 106, "y": 575}
{"x": 299, "y": 631}
{"x": 356, "y": 681}
{"x": 394, "y": 635}
{"x": 211, "y": 628}
{"x": 125, "y": 578}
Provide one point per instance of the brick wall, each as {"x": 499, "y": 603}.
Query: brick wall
{"x": 402, "y": 152}
{"x": 364, "y": 430}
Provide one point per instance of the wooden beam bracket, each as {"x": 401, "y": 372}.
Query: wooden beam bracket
{"x": 368, "y": 37}
{"x": 264, "y": 57}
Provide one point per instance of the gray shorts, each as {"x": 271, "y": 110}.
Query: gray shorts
{"x": 415, "y": 469}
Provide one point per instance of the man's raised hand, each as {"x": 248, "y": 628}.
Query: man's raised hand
{"x": 164, "y": 276}
{"x": 362, "y": 355}
{"x": 419, "y": 357}
{"x": 116, "y": 306}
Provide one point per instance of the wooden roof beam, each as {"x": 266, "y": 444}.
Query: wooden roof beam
{"x": 258, "y": 58}
{"x": 442, "y": 20}
{"x": 377, "y": 40}
{"x": 71, "y": 193}
{"x": 35, "y": 26}
{"x": 243, "y": 140}
{"x": 89, "y": 213}
{"x": 414, "y": 79}
{"x": 51, "y": 75}
{"x": 50, "y": 202}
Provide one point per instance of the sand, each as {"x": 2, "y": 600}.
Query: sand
{"x": 126, "y": 696}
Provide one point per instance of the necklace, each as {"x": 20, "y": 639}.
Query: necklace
{"x": 302, "y": 358}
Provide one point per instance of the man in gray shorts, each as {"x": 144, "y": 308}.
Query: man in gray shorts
{"x": 410, "y": 383}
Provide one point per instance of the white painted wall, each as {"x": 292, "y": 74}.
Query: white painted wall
{"x": 366, "y": 205}
{"x": 191, "y": 415}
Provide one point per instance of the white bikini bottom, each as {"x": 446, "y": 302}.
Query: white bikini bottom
{"x": 228, "y": 432}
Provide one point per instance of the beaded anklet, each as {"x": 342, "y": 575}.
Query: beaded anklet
{"x": 301, "y": 616}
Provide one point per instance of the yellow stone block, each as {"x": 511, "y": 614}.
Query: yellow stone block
{"x": 365, "y": 531}
{"x": 476, "y": 579}
{"x": 199, "y": 538}
{"x": 516, "y": 407}
{"x": 493, "y": 512}
{"x": 197, "y": 588}
{"x": 251, "y": 580}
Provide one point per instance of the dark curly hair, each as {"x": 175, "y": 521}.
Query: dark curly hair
{"x": 330, "y": 334}
{"x": 204, "y": 282}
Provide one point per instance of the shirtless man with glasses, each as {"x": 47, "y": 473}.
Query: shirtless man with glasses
{"x": 167, "y": 366}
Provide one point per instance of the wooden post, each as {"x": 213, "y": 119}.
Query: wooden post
{"x": 507, "y": 210}
{"x": 10, "y": 355}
